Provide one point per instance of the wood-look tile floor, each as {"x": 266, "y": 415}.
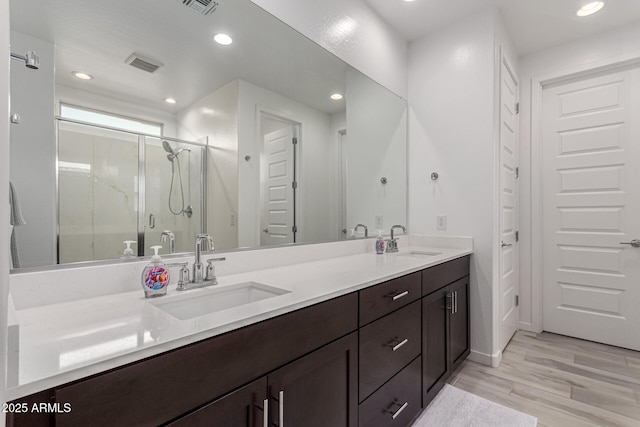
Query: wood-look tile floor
{"x": 560, "y": 380}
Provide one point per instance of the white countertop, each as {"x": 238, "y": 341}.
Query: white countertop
{"x": 67, "y": 341}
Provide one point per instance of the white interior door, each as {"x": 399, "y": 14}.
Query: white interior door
{"x": 591, "y": 203}
{"x": 508, "y": 205}
{"x": 277, "y": 188}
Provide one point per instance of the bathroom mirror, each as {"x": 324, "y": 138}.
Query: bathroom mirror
{"x": 254, "y": 151}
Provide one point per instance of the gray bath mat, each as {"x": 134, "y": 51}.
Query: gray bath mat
{"x": 453, "y": 407}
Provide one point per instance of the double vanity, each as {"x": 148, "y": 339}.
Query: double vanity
{"x": 356, "y": 339}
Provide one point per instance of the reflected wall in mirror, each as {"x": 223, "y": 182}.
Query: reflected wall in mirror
{"x": 257, "y": 153}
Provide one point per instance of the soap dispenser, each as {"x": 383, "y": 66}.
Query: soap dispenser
{"x": 155, "y": 276}
{"x": 379, "y": 243}
{"x": 128, "y": 252}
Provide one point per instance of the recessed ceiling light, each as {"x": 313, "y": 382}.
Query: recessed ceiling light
{"x": 223, "y": 39}
{"x": 409, "y": 1}
{"x": 336, "y": 96}
{"x": 82, "y": 76}
{"x": 590, "y": 9}
{"x": 170, "y": 100}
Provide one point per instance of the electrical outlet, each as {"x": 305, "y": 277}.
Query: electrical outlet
{"x": 441, "y": 222}
{"x": 379, "y": 222}
{"x": 233, "y": 219}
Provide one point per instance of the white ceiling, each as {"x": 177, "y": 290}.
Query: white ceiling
{"x": 97, "y": 36}
{"x": 534, "y": 25}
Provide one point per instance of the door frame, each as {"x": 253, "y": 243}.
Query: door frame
{"x": 299, "y": 198}
{"x": 538, "y": 85}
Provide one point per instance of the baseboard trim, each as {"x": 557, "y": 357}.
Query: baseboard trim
{"x": 492, "y": 360}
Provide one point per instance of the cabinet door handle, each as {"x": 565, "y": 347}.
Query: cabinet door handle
{"x": 281, "y": 408}
{"x": 449, "y": 304}
{"x": 400, "y": 344}
{"x": 398, "y": 296}
{"x": 265, "y": 413}
{"x": 455, "y": 302}
{"x": 395, "y": 414}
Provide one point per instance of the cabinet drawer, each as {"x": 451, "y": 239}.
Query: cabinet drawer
{"x": 399, "y": 398}
{"x": 386, "y": 297}
{"x": 436, "y": 277}
{"x": 387, "y": 345}
{"x": 161, "y": 388}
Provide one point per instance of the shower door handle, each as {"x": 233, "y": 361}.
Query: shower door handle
{"x": 152, "y": 221}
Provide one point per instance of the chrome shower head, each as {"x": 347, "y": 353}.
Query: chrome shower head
{"x": 31, "y": 60}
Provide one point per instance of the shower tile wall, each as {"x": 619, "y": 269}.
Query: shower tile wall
{"x": 97, "y": 193}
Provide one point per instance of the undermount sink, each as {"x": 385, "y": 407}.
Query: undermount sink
{"x": 199, "y": 303}
{"x": 420, "y": 254}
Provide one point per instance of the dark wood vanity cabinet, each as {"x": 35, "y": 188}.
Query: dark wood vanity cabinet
{"x": 370, "y": 358}
{"x": 319, "y": 389}
{"x": 445, "y": 324}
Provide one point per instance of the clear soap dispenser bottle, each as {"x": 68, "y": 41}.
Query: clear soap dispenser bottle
{"x": 155, "y": 276}
{"x": 128, "y": 252}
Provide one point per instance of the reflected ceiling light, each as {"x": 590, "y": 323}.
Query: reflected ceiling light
{"x": 82, "y": 76}
{"x": 170, "y": 100}
{"x": 590, "y": 9}
{"x": 223, "y": 39}
{"x": 336, "y": 96}
{"x": 409, "y": 1}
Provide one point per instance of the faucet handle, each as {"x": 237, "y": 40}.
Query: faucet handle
{"x": 211, "y": 269}
{"x": 184, "y": 273}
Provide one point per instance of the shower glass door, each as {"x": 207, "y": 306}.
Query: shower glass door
{"x": 97, "y": 192}
{"x": 174, "y": 173}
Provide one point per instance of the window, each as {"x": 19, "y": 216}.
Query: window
{"x": 111, "y": 120}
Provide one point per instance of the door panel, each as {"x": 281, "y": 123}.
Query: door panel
{"x": 508, "y": 206}
{"x": 277, "y": 188}
{"x": 591, "y": 204}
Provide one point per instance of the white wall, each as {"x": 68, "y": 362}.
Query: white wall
{"x": 317, "y": 165}
{"x": 4, "y": 195}
{"x": 451, "y": 132}
{"x": 377, "y": 135}
{"x": 32, "y": 150}
{"x": 216, "y": 117}
{"x": 353, "y": 32}
{"x": 590, "y": 52}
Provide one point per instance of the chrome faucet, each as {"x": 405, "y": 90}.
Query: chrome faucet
{"x": 172, "y": 240}
{"x": 197, "y": 273}
{"x": 366, "y": 230}
{"x": 198, "y": 279}
{"x": 392, "y": 244}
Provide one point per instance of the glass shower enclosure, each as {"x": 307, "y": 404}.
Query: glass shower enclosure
{"x": 116, "y": 186}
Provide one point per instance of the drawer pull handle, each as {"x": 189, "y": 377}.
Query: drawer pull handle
{"x": 281, "y": 408}
{"x": 265, "y": 419}
{"x": 396, "y": 343}
{"x": 398, "y": 296}
{"x": 395, "y": 414}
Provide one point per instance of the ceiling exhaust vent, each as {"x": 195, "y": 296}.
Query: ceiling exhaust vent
{"x": 143, "y": 63}
{"x": 203, "y": 7}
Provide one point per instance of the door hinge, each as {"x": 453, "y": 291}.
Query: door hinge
{"x": 294, "y": 184}
{"x": 517, "y": 300}
{"x": 517, "y": 108}
{"x": 294, "y": 229}
{"x": 295, "y": 141}
{"x": 517, "y": 236}
{"x": 517, "y": 173}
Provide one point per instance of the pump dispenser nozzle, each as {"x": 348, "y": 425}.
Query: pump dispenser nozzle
{"x": 128, "y": 252}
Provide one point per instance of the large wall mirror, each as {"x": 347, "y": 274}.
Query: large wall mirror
{"x": 270, "y": 139}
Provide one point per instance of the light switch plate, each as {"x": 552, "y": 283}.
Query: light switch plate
{"x": 379, "y": 222}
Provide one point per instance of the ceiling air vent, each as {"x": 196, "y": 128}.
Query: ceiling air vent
{"x": 143, "y": 63}
{"x": 203, "y": 7}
